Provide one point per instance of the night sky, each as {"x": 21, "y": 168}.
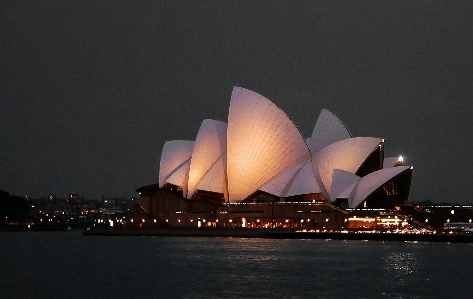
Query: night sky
{"x": 91, "y": 90}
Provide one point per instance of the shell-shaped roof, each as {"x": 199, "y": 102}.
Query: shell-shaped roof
{"x": 304, "y": 182}
{"x": 175, "y": 152}
{"x": 180, "y": 176}
{"x": 328, "y": 129}
{"x": 278, "y": 184}
{"x": 348, "y": 155}
{"x": 343, "y": 183}
{"x": 261, "y": 141}
{"x": 369, "y": 183}
{"x": 210, "y": 145}
{"x": 214, "y": 179}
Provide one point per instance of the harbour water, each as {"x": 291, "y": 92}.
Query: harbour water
{"x": 69, "y": 265}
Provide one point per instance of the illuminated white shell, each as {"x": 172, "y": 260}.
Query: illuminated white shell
{"x": 210, "y": 146}
{"x": 174, "y": 154}
{"x": 303, "y": 182}
{"x": 261, "y": 149}
{"x": 347, "y": 155}
{"x": 180, "y": 176}
{"x": 261, "y": 142}
{"x": 215, "y": 179}
{"x": 278, "y": 184}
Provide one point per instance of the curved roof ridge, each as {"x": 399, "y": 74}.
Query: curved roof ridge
{"x": 348, "y": 155}
{"x": 210, "y": 144}
{"x": 174, "y": 153}
{"x": 180, "y": 176}
{"x": 303, "y": 182}
{"x": 214, "y": 179}
{"x": 279, "y": 182}
{"x": 341, "y": 182}
{"x": 327, "y": 130}
{"x": 371, "y": 182}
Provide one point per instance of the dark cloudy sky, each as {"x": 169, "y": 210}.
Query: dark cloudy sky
{"x": 91, "y": 90}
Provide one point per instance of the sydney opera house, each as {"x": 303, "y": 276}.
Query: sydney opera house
{"x": 257, "y": 170}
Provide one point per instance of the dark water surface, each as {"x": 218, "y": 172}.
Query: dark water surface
{"x": 69, "y": 265}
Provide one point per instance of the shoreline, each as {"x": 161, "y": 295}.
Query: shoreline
{"x": 269, "y": 233}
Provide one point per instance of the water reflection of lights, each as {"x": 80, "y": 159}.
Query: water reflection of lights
{"x": 402, "y": 264}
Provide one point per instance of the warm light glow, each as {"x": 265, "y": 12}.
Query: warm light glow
{"x": 210, "y": 144}
{"x": 400, "y": 159}
{"x": 261, "y": 141}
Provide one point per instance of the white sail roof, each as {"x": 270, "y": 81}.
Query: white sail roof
{"x": 328, "y": 129}
{"x": 278, "y": 184}
{"x": 180, "y": 176}
{"x": 261, "y": 142}
{"x": 215, "y": 179}
{"x": 210, "y": 145}
{"x": 348, "y": 155}
{"x": 175, "y": 152}
{"x": 262, "y": 149}
{"x": 304, "y": 182}
{"x": 369, "y": 183}
{"x": 343, "y": 183}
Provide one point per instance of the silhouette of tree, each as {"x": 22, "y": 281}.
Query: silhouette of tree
{"x": 13, "y": 207}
